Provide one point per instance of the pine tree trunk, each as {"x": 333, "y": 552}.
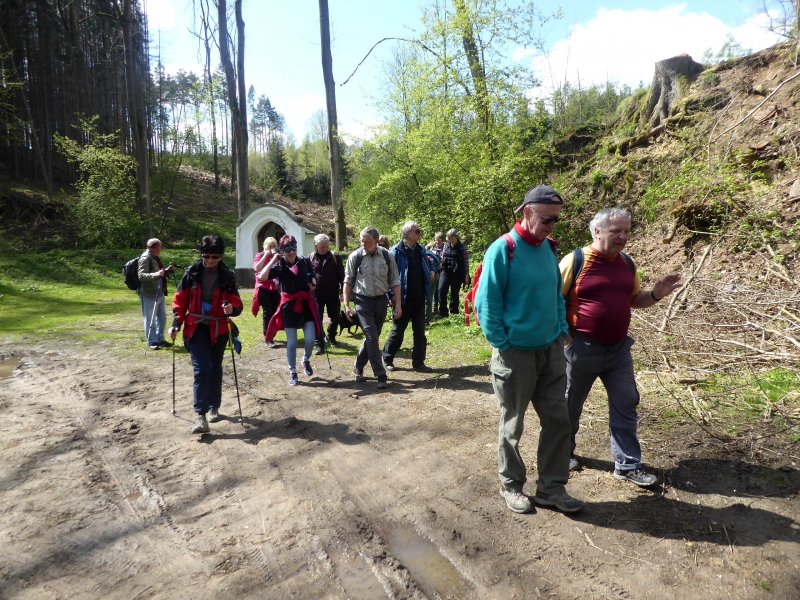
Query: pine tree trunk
{"x": 135, "y": 87}
{"x": 242, "y": 166}
{"x": 333, "y": 127}
{"x": 238, "y": 125}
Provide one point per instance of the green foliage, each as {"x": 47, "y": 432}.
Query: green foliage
{"x": 709, "y": 79}
{"x": 107, "y": 207}
{"x": 441, "y": 160}
{"x": 448, "y": 334}
{"x": 698, "y": 196}
{"x": 758, "y": 229}
{"x": 741, "y": 397}
{"x": 71, "y": 292}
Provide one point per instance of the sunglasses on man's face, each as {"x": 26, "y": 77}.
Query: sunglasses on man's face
{"x": 288, "y": 249}
{"x": 212, "y": 256}
{"x": 549, "y": 220}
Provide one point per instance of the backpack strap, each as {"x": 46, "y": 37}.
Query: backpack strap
{"x": 629, "y": 260}
{"x": 577, "y": 265}
{"x": 510, "y": 245}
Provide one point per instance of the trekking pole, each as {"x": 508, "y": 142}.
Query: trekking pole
{"x": 233, "y": 360}
{"x": 325, "y": 347}
{"x": 173, "y": 378}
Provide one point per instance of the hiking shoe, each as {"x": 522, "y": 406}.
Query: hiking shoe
{"x": 214, "y": 416}
{"x": 574, "y": 465}
{"x": 319, "y": 350}
{"x": 517, "y": 501}
{"x": 270, "y": 344}
{"x": 382, "y": 383}
{"x": 200, "y": 425}
{"x": 389, "y": 365}
{"x": 154, "y": 347}
{"x": 423, "y": 369}
{"x": 165, "y": 344}
{"x": 359, "y": 375}
{"x": 563, "y": 502}
{"x": 292, "y": 378}
{"x": 638, "y": 476}
{"x": 307, "y": 368}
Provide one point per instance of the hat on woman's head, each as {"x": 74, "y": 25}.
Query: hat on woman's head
{"x": 541, "y": 194}
{"x": 212, "y": 243}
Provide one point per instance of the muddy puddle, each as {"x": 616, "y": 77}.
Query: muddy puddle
{"x": 7, "y": 366}
{"x": 430, "y": 569}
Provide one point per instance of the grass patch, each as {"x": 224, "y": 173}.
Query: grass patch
{"x": 67, "y": 292}
{"x": 452, "y": 344}
{"x": 742, "y": 400}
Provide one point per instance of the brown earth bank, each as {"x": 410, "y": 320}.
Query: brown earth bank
{"x": 335, "y": 489}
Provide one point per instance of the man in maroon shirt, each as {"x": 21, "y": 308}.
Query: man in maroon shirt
{"x": 599, "y": 298}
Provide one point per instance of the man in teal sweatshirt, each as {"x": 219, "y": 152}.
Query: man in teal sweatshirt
{"x": 521, "y": 311}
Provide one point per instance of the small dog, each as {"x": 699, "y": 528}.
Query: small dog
{"x": 345, "y": 323}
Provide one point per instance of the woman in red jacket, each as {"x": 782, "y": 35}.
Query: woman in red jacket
{"x": 205, "y": 299}
{"x": 298, "y": 309}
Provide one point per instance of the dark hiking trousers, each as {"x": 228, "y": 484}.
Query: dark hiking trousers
{"x": 586, "y": 361}
{"x": 449, "y": 282}
{"x": 414, "y": 313}
{"x": 333, "y": 307}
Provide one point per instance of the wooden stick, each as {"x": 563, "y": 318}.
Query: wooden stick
{"x": 681, "y": 293}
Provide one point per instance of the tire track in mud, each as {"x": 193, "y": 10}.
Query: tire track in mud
{"x": 98, "y": 527}
{"x": 349, "y": 558}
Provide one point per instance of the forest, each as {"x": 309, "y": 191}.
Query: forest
{"x": 462, "y": 141}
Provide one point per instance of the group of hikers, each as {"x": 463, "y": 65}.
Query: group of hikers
{"x": 295, "y": 292}
{"x": 555, "y": 326}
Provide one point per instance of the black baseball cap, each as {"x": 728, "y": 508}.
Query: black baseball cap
{"x": 541, "y": 194}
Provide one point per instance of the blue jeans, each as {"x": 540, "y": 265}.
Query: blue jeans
{"x": 154, "y": 324}
{"x": 207, "y": 363}
{"x": 586, "y": 361}
{"x": 309, "y": 331}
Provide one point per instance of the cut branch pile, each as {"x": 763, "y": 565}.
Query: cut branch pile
{"x": 718, "y": 345}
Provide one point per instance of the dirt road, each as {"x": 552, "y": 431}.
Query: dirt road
{"x": 335, "y": 489}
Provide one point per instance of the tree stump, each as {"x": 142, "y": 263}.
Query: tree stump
{"x": 671, "y": 78}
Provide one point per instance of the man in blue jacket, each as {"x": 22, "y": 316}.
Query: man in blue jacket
{"x": 521, "y": 311}
{"x": 415, "y": 281}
